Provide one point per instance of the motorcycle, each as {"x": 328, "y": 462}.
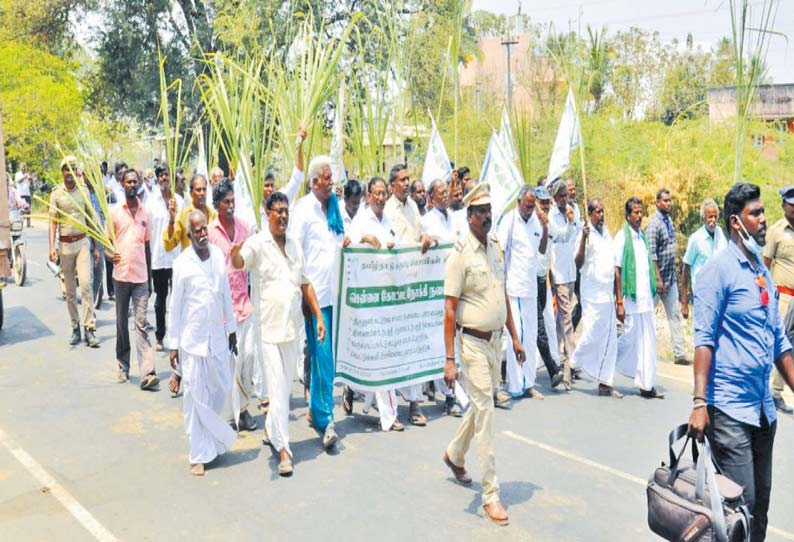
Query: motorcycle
{"x": 16, "y": 254}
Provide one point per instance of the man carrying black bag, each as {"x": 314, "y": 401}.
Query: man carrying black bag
{"x": 739, "y": 335}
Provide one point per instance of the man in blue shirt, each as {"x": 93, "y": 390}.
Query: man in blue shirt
{"x": 702, "y": 245}
{"x": 739, "y": 336}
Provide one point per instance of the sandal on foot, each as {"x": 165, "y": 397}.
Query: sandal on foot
{"x": 347, "y": 400}
{"x": 285, "y": 467}
{"x": 174, "y": 383}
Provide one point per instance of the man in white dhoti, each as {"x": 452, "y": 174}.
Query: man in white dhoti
{"x": 597, "y": 350}
{"x": 405, "y": 217}
{"x": 635, "y": 286}
{"x": 523, "y": 238}
{"x": 278, "y": 275}
{"x": 373, "y": 227}
{"x": 439, "y": 224}
{"x": 200, "y": 319}
{"x": 225, "y": 231}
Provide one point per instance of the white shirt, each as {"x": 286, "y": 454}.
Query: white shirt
{"x": 116, "y": 191}
{"x": 22, "y": 181}
{"x": 276, "y": 281}
{"x": 440, "y": 227}
{"x": 290, "y": 190}
{"x": 460, "y": 222}
{"x": 562, "y": 236}
{"x": 644, "y": 301}
{"x": 406, "y": 219}
{"x": 598, "y": 270}
{"x": 520, "y": 241}
{"x": 157, "y": 208}
{"x": 346, "y": 220}
{"x": 200, "y": 312}
{"x": 366, "y": 223}
{"x": 319, "y": 245}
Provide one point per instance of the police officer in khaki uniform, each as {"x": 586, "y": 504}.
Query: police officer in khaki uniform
{"x": 476, "y": 311}
{"x": 779, "y": 258}
{"x": 74, "y": 250}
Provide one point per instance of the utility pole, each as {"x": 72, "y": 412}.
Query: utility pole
{"x": 507, "y": 43}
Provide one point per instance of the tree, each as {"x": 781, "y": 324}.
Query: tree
{"x": 41, "y": 23}
{"x": 41, "y": 104}
{"x": 638, "y": 68}
{"x": 683, "y": 92}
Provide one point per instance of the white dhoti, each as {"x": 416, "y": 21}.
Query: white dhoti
{"x": 525, "y": 316}
{"x": 244, "y": 369}
{"x": 411, "y": 393}
{"x": 279, "y": 372}
{"x": 387, "y": 406}
{"x": 596, "y": 352}
{"x": 637, "y": 349}
{"x": 206, "y": 382}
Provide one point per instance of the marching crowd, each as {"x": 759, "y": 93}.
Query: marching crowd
{"x": 241, "y": 309}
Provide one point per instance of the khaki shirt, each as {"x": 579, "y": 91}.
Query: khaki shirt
{"x": 181, "y": 235}
{"x": 780, "y": 249}
{"x": 406, "y": 219}
{"x": 63, "y": 203}
{"x": 476, "y": 276}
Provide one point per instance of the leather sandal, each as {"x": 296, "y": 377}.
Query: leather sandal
{"x": 496, "y": 513}
{"x": 460, "y": 474}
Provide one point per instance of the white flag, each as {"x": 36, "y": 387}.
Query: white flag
{"x": 506, "y": 136}
{"x": 569, "y": 136}
{"x": 437, "y": 164}
{"x": 338, "y": 140}
{"x": 244, "y": 203}
{"x": 201, "y": 162}
{"x": 501, "y": 173}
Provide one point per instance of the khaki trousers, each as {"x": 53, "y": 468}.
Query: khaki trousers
{"x": 76, "y": 265}
{"x": 778, "y": 384}
{"x": 566, "y": 301}
{"x": 481, "y": 361}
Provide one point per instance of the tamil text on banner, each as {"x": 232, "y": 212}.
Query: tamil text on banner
{"x": 389, "y": 328}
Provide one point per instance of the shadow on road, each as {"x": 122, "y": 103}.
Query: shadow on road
{"x": 21, "y": 325}
{"x": 510, "y": 493}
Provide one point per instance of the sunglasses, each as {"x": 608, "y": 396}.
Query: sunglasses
{"x": 761, "y": 282}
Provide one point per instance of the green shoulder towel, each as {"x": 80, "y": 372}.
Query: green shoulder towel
{"x": 628, "y": 268}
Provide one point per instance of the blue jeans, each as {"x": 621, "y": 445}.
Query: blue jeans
{"x": 744, "y": 454}
{"x": 323, "y": 371}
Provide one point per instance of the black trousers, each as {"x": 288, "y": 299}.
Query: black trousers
{"x": 162, "y": 282}
{"x": 543, "y": 339}
{"x": 744, "y": 453}
{"x": 109, "y": 277}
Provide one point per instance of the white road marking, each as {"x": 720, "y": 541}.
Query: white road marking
{"x": 676, "y": 378}
{"x": 82, "y": 515}
{"x": 613, "y": 471}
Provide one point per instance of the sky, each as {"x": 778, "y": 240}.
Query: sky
{"x": 707, "y": 20}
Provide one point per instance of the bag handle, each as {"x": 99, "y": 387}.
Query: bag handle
{"x": 706, "y": 475}
{"x": 675, "y": 435}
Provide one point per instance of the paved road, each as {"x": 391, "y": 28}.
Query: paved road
{"x": 85, "y": 458}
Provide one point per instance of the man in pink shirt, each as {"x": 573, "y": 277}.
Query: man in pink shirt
{"x": 131, "y": 264}
{"x": 224, "y": 232}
